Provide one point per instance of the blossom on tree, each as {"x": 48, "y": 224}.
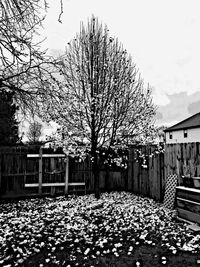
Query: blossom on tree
{"x": 104, "y": 102}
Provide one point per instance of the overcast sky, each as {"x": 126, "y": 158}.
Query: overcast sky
{"x": 161, "y": 35}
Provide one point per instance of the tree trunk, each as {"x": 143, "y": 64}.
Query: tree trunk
{"x": 95, "y": 170}
{"x": 94, "y": 134}
{"x": 95, "y": 166}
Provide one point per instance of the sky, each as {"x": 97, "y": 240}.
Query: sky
{"x": 162, "y": 36}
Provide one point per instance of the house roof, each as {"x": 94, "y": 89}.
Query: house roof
{"x": 191, "y": 122}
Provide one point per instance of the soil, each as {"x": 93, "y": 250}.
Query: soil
{"x": 143, "y": 256}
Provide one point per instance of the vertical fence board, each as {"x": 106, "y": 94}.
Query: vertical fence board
{"x": 151, "y": 173}
{"x": 154, "y": 182}
{"x": 66, "y": 175}
{"x": 0, "y": 175}
{"x": 40, "y": 172}
{"x": 130, "y": 169}
{"x": 136, "y": 177}
{"x": 162, "y": 177}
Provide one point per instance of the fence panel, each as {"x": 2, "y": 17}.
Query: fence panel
{"x": 80, "y": 171}
{"x": 178, "y": 157}
{"x": 20, "y": 174}
{"x": 109, "y": 179}
{"x": 146, "y": 171}
{"x": 12, "y": 171}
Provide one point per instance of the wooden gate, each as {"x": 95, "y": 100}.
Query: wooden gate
{"x": 51, "y": 176}
{"x": 25, "y": 173}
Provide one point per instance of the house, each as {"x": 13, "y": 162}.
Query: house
{"x": 185, "y": 131}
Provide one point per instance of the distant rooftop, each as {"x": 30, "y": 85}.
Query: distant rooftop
{"x": 191, "y": 122}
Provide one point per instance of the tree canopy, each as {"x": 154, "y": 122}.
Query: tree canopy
{"x": 104, "y": 102}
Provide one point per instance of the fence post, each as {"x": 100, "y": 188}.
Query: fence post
{"x": 66, "y": 175}
{"x": 40, "y": 171}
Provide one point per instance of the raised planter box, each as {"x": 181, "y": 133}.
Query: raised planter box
{"x": 188, "y": 203}
{"x": 193, "y": 182}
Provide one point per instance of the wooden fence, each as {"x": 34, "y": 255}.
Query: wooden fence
{"x": 146, "y": 172}
{"x": 183, "y": 160}
{"x": 148, "y": 178}
{"x": 182, "y": 157}
{"x": 28, "y": 171}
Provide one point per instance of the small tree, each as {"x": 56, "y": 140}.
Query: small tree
{"x": 105, "y": 103}
{"x": 34, "y": 133}
{"x": 8, "y": 123}
{"x": 160, "y": 132}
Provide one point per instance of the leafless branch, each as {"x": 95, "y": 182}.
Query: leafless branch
{"x": 24, "y": 67}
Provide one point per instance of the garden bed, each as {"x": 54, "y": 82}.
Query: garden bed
{"x": 190, "y": 181}
{"x": 119, "y": 229}
{"x": 188, "y": 203}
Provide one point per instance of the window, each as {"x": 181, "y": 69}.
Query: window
{"x": 185, "y": 133}
{"x": 170, "y": 135}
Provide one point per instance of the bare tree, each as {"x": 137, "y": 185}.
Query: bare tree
{"x": 34, "y": 132}
{"x": 106, "y": 104}
{"x": 25, "y": 69}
